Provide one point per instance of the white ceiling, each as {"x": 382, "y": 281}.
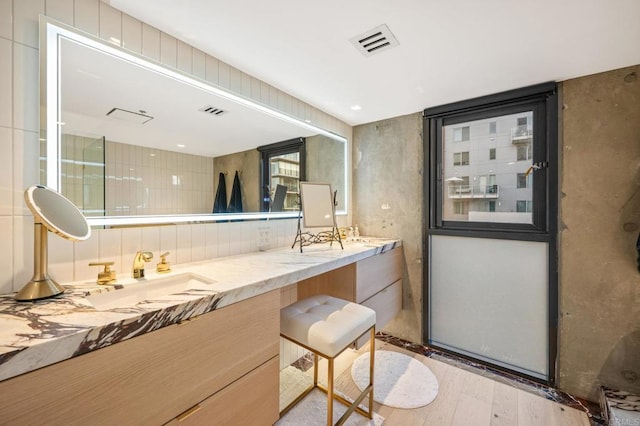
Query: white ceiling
{"x": 449, "y": 50}
{"x": 92, "y": 83}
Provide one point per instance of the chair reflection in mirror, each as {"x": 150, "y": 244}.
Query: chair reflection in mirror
{"x": 317, "y": 210}
{"x": 278, "y": 199}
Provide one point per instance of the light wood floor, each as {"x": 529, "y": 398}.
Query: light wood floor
{"x": 464, "y": 398}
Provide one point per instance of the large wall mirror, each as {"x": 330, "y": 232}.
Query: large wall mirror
{"x": 132, "y": 142}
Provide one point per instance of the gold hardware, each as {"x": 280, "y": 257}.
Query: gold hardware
{"x": 137, "y": 270}
{"x": 163, "y": 266}
{"x": 189, "y": 412}
{"x": 107, "y": 276}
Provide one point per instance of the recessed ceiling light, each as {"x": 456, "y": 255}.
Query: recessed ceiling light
{"x": 356, "y": 107}
{"x": 180, "y": 145}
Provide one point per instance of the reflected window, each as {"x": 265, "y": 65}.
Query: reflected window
{"x": 283, "y": 167}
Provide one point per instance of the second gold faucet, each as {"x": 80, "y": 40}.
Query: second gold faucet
{"x": 137, "y": 270}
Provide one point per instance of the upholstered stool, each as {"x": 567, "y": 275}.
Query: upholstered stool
{"x": 327, "y": 326}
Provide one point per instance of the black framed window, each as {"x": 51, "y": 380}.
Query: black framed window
{"x": 508, "y": 192}
{"x": 282, "y": 167}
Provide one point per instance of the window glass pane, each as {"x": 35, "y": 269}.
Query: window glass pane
{"x": 285, "y": 171}
{"x": 496, "y": 188}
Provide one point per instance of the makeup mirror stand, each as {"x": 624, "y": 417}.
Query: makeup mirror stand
{"x": 315, "y": 215}
{"x": 41, "y": 285}
{"x": 51, "y": 212}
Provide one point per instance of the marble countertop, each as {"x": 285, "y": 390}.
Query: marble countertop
{"x": 37, "y": 334}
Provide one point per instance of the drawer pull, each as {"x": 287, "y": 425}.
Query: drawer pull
{"x": 189, "y": 412}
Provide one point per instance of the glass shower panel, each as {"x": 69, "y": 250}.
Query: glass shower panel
{"x": 82, "y": 172}
{"x": 93, "y": 178}
{"x": 489, "y": 300}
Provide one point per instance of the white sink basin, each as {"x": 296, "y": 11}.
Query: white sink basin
{"x": 149, "y": 290}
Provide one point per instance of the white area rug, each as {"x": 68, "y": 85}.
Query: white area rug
{"x": 399, "y": 380}
{"x": 312, "y": 410}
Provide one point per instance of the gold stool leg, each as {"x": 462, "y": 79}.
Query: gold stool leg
{"x": 315, "y": 369}
{"x": 372, "y": 349}
{"x": 330, "y": 393}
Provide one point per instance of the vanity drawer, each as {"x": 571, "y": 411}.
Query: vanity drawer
{"x": 387, "y": 304}
{"x": 152, "y": 378}
{"x": 377, "y": 272}
{"x": 251, "y": 400}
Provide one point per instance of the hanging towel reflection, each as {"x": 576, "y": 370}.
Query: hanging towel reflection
{"x": 220, "y": 202}
{"x": 235, "y": 203}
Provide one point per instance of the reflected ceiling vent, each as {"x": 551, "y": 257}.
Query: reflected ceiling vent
{"x": 375, "y": 40}
{"x": 211, "y": 110}
{"x": 139, "y": 117}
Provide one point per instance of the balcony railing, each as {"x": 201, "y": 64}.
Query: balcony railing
{"x": 473, "y": 191}
{"x": 521, "y": 135}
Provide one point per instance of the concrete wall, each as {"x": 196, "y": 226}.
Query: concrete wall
{"x": 600, "y": 219}
{"x": 387, "y": 193}
{"x": 247, "y": 164}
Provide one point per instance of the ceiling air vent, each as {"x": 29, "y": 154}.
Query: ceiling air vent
{"x": 211, "y": 110}
{"x": 140, "y": 117}
{"x": 375, "y": 40}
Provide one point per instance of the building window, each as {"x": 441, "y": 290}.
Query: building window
{"x": 461, "y": 134}
{"x": 448, "y": 125}
{"x": 523, "y": 181}
{"x": 524, "y": 152}
{"x": 458, "y": 207}
{"x": 492, "y": 206}
{"x": 523, "y": 206}
{"x": 461, "y": 158}
{"x": 283, "y": 164}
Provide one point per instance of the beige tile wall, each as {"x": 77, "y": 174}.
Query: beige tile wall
{"x": 147, "y": 181}
{"x": 19, "y": 144}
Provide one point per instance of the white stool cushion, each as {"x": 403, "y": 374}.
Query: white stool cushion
{"x": 325, "y": 324}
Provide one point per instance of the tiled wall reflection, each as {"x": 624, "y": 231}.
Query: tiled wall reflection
{"x": 147, "y": 181}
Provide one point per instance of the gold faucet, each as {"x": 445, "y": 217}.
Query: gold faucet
{"x": 137, "y": 271}
{"x": 163, "y": 266}
{"x": 108, "y": 276}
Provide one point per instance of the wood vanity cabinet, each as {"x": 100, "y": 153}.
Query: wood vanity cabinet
{"x": 375, "y": 282}
{"x": 214, "y": 369}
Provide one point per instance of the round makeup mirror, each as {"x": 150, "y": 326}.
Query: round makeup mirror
{"x": 52, "y": 212}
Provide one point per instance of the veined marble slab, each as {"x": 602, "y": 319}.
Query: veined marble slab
{"x": 37, "y": 334}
